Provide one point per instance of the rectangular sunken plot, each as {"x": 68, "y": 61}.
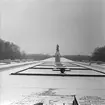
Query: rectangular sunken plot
{"x": 76, "y": 68}
{"x": 73, "y": 68}
{"x": 84, "y": 72}
{"x": 69, "y": 64}
{"x": 53, "y": 69}
{"x": 50, "y": 72}
{"x": 43, "y": 67}
{"x": 47, "y": 63}
{"x": 39, "y": 71}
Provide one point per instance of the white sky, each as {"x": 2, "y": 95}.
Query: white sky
{"x": 38, "y": 25}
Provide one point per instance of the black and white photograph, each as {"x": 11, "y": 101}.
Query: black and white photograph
{"x": 52, "y": 52}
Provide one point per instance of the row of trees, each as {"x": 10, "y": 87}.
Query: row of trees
{"x": 98, "y": 54}
{"x": 10, "y": 50}
{"x": 78, "y": 57}
{"x": 37, "y": 56}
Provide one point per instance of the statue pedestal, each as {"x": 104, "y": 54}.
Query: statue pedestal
{"x": 57, "y": 57}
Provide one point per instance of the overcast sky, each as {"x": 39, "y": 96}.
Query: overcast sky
{"x": 38, "y": 25}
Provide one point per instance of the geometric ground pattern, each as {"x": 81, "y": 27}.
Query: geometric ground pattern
{"x": 49, "y": 68}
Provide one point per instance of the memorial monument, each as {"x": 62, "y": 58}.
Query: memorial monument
{"x": 57, "y": 55}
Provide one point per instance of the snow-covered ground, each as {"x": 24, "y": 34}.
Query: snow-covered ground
{"x": 13, "y": 64}
{"x": 101, "y": 67}
{"x": 28, "y": 90}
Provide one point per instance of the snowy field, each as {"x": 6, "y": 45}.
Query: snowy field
{"x": 51, "y": 90}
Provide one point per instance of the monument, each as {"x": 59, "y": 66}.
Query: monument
{"x": 58, "y": 63}
{"x": 57, "y": 55}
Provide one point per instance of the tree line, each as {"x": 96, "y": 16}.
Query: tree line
{"x": 9, "y": 50}
{"x": 37, "y": 56}
{"x": 98, "y": 54}
{"x": 78, "y": 57}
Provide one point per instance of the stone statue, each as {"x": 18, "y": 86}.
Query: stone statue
{"x": 57, "y": 48}
{"x": 57, "y": 54}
